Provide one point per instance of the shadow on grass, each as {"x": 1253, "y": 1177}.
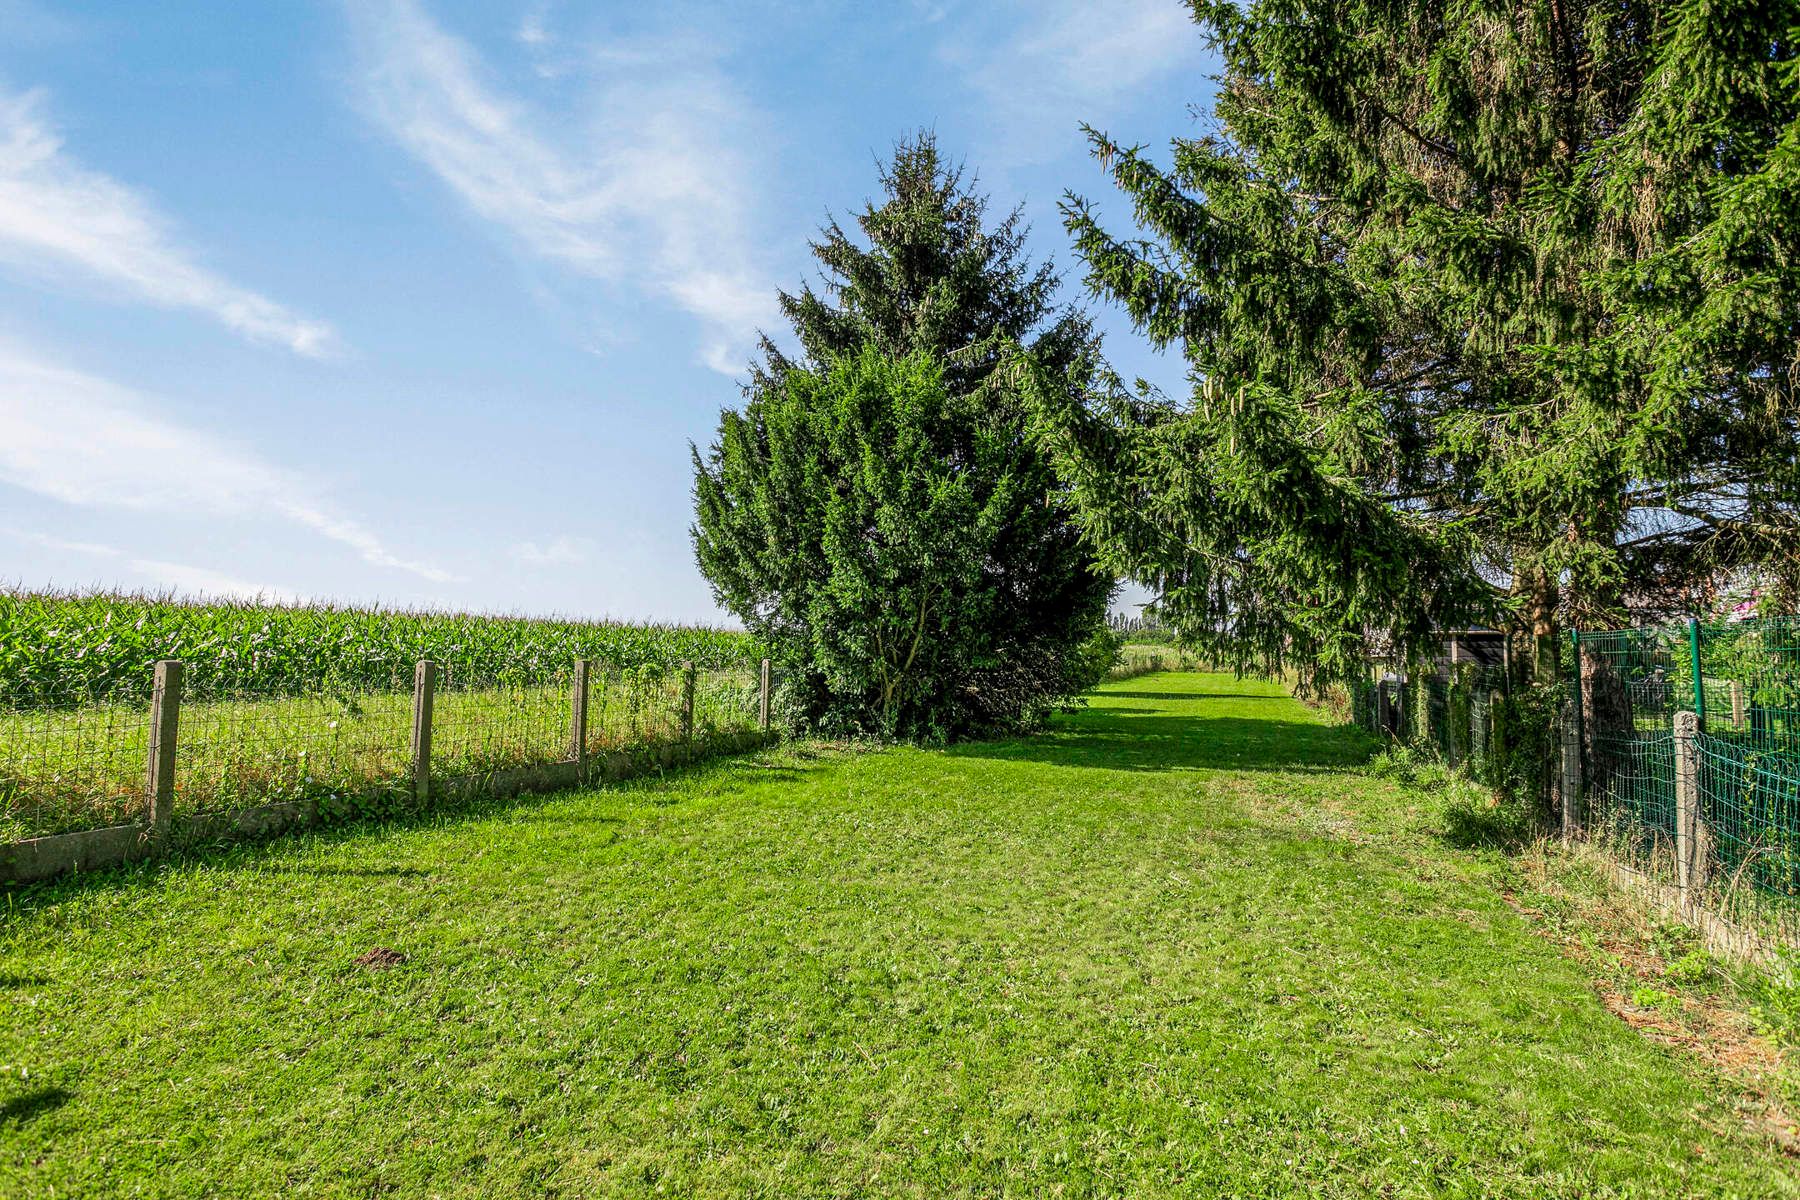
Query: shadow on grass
{"x": 268, "y": 854}
{"x": 32, "y": 1105}
{"x": 1122, "y": 740}
{"x": 349, "y": 872}
{"x": 1109, "y": 694}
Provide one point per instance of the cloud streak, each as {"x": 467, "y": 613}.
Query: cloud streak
{"x": 648, "y": 191}
{"x": 59, "y": 219}
{"x": 559, "y": 551}
{"x": 181, "y": 577}
{"x": 86, "y": 441}
{"x": 1071, "y": 61}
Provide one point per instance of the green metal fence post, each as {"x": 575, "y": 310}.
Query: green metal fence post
{"x": 1694, "y": 659}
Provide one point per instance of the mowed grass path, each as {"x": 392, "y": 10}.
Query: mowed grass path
{"x": 1176, "y": 946}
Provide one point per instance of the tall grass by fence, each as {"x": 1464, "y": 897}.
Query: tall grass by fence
{"x": 116, "y": 779}
{"x": 1147, "y": 658}
{"x": 1675, "y": 750}
{"x": 316, "y": 710}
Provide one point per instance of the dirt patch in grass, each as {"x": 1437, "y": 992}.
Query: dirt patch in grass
{"x": 1634, "y": 961}
{"x": 380, "y": 958}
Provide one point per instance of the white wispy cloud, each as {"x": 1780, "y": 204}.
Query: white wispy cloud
{"x": 190, "y": 580}
{"x": 87, "y": 441}
{"x": 60, "y": 221}
{"x": 645, "y": 187}
{"x": 156, "y": 573}
{"x": 534, "y": 28}
{"x": 1070, "y": 61}
{"x": 559, "y": 551}
{"x": 64, "y": 545}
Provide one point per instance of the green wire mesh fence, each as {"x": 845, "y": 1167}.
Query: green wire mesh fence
{"x": 1742, "y": 680}
{"x": 1633, "y": 681}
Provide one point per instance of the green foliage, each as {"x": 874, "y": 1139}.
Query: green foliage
{"x": 897, "y": 546}
{"x": 1094, "y": 660}
{"x": 1692, "y": 969}
{"x": 935, "y": 279}
{"x": 1646, "y": 996}
{"x": 1469, "y": 294}
{"x": 1776, "y": 1007}
{"x": 822, "y": 506}
{"x": 1177, "y": 946}
{"x": 62, "y": 649}
{"x": 1529, "y": 748}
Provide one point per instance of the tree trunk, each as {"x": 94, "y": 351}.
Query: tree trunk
{"x": 1540, "y": 613}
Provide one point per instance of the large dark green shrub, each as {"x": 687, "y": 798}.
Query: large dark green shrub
{"x": 902, "y": 551}
{"x": 886, "y": 465}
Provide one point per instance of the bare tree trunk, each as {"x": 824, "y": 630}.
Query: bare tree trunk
{"x": 1540, "y": 612}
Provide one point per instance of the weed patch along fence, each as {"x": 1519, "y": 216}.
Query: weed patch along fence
{"x": 86, "y": 785}
{"x": 1675, "y": 750}
{"x": 1147, "y": 658}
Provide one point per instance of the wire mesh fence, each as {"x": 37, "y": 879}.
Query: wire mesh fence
{"x": 1728, "y": 844}
{"x": 78, "y": 766}
{"x": 64, "y": 769}
{"x": 479, "y": 726}
{"x": 1742, "y": 680}
{"x": 1456, "y": 713}
{"x": 1741, "y": 832}
{"x": 1630, "y": 683}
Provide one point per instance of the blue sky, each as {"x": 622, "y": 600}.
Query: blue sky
{"x": 422, "y": 302}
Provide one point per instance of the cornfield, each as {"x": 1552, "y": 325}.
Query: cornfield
{"x": 70, "y": 649}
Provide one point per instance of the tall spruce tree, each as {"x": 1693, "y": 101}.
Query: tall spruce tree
{"x": 893, "y": 532}
{"x": 1492, "y": 311}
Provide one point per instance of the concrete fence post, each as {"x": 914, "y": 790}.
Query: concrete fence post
{"x": 1737, "y": 704}
{"x": 165, "y": 726}
{"x": 578, "y": 713}
{"x": 1691, "y": 852}
{"x": 762, "y": 714}
{"x": 424, "y": 689}
{"x": 687, "y": 701}
{"x": 1571, "y": 773}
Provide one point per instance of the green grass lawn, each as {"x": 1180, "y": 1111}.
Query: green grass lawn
{"x": 1179, "y": 945}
